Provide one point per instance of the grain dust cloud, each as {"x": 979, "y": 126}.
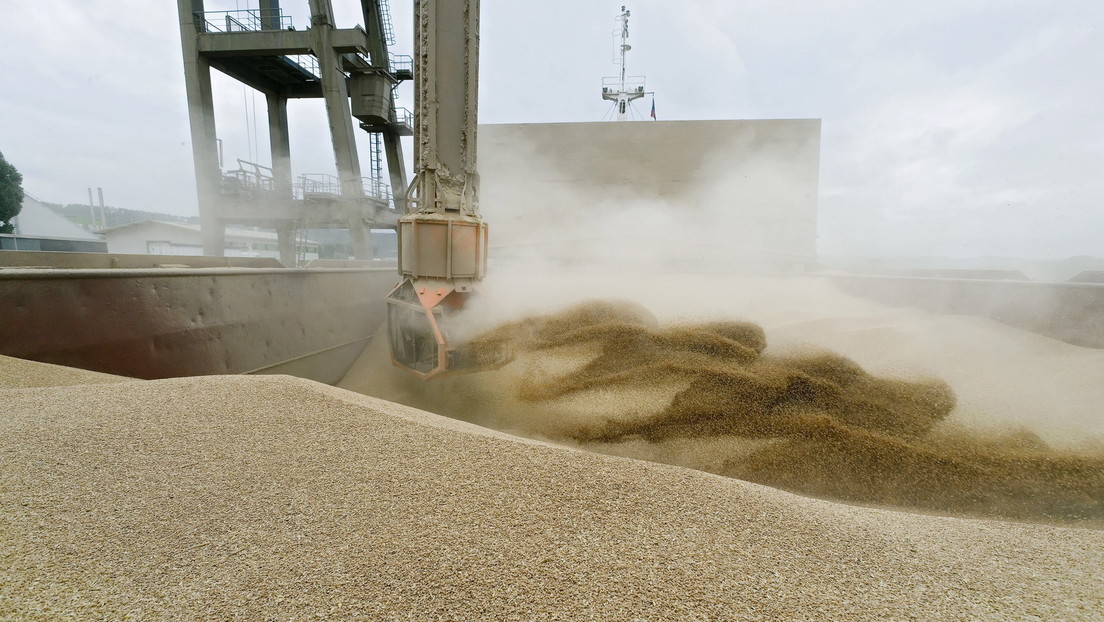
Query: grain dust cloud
{"x": 609, "y": 377}
{"x": 650, "y": 338}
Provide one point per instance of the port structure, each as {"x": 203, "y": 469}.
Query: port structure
{"x": 351, "y": 69}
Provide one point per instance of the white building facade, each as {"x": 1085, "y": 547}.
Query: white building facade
{"x": 154, "y": 237}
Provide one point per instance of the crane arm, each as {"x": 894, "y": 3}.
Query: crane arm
{"x": 442, "y": 238}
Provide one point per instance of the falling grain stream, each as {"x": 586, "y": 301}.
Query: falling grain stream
{"x": 813, "y": 423}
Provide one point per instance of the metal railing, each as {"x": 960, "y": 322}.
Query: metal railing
{"x": 255, "y": 181}
{"x": 402, "y": 116}
{"x": 395, "y": 62}
{"x": 248, "y": 178}
{"x": 317, "y": 185}
{"x": 325, "y": 186}
{"x": 633, "y": 84}
{"x": 244, "y": 20}
{"x": 400, "y": 62}
{"x": 308, "y": 62}
{"x": 377, "y": 189}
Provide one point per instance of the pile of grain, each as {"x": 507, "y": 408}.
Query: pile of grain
{"x": 813, "y": 423}
{"x": 1002, "y": 377}
{"x": 18, "y": 373}
{"x": 275, "y": 498}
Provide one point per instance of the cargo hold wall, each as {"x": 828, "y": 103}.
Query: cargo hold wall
{"x": 176, "y": 321}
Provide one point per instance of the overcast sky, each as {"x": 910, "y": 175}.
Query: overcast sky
{"x": 950, "y": 127}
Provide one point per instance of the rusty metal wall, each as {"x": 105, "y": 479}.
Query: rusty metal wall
{"x": 40, "y": 259}
{"x": 159, "y": 323}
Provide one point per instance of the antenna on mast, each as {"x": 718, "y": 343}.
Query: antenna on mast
{"x": 622, "y": 89}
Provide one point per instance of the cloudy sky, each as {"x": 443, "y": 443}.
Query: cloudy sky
{"x": 950, "y": 127}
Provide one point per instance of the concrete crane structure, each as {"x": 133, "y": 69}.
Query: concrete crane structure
{"x": 350, "y": 68}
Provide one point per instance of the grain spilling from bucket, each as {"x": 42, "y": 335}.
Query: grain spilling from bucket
{"x": 607, "y": 376}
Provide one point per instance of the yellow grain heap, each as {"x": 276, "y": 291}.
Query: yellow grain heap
{"x": 273, "y": 498}
{"x": 820, "y": 424}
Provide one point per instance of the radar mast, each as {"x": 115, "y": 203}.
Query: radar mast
{"x": 622, "y": 89}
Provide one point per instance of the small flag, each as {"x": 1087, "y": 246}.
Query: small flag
{"x": 653, "y": 108}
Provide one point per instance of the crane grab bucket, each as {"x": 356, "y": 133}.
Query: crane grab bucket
{"x": 442, "y": 238}
{"x": 419, "y": 319}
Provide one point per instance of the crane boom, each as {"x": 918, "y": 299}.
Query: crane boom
{"x": 442, "y": 238}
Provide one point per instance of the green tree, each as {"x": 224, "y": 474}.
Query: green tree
{"x": 11, "y": 195}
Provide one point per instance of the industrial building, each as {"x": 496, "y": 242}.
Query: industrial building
{"x": 39, "y": 228}
{"x": 152, "y": 237}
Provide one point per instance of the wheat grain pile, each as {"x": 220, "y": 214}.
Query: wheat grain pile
{"x": 18, "y": 373}
{"x": 273, "y": 498}
{"x": 608, "y": 377}
{"x": 812, "y": 390}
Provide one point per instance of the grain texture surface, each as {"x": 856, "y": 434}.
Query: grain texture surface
{"x": 273, "y": 498}
{"x": 19, "y": 373}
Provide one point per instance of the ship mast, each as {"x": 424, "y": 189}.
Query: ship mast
{"x": 622, "y": 89}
